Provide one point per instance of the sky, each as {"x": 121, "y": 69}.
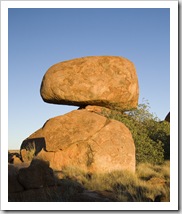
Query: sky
{"x": 39, "y": 38}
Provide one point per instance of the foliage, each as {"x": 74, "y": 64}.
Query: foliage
{"x": 30, "y": 151}
{"x": 151, "y": 136}
{"x": 149, "y": 183}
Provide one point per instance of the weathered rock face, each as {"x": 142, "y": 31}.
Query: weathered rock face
{"x": 86, "y": 140}
{"x": 101, "y": 80}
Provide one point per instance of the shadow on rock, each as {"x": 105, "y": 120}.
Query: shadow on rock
{"x": 38, "y": 183}
{"x": 31, "y": 147}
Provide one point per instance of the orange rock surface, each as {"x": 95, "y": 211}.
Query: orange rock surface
{"x": 107, "y": 81}
{"x": 86, "y": 140}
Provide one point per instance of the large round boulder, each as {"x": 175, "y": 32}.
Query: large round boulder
{"x": 107, "y": 81}
{"x": 85, "y": 140}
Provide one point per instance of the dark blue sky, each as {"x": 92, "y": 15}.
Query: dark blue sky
{"x": 39, "y": 38}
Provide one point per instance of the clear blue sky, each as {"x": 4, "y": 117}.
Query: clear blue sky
{"x": 39, "y": 38}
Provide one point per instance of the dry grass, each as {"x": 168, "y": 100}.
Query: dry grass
{"x": 149, "y": 183}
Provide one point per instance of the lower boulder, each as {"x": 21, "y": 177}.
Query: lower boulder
{"x": 84, "y": 140}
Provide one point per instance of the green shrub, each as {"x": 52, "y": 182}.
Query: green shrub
{"x": 151, "y": 136}
{"x": 160, "y": 132}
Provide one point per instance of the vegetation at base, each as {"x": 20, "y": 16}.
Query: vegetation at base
{"x": 150, "y": 182}
{"x": 151, "y": 136}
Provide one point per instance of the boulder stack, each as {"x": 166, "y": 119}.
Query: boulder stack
{"x": 84, "y": 138}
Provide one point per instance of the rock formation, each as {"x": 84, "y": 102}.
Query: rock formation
{"x": 84, "y": 139}
{"x": 37, "y": 175}
{"x": 87, "y": 140}
{"x": 167, "y": 118}
{"x": 100, "y": 80}
{"x": 14, "y": 158}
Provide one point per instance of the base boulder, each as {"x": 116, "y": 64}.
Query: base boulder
{"x": 85, "y": 140}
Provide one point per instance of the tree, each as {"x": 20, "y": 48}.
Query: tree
{"x": 150, "y": 135}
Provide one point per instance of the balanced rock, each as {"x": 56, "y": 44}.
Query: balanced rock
{"x": 85, "y": 140}
{"x": 107, "y": 81}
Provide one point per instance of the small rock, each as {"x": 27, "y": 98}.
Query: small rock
{"x": 16, "y": 160}
{"x": 37, "y": 175}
